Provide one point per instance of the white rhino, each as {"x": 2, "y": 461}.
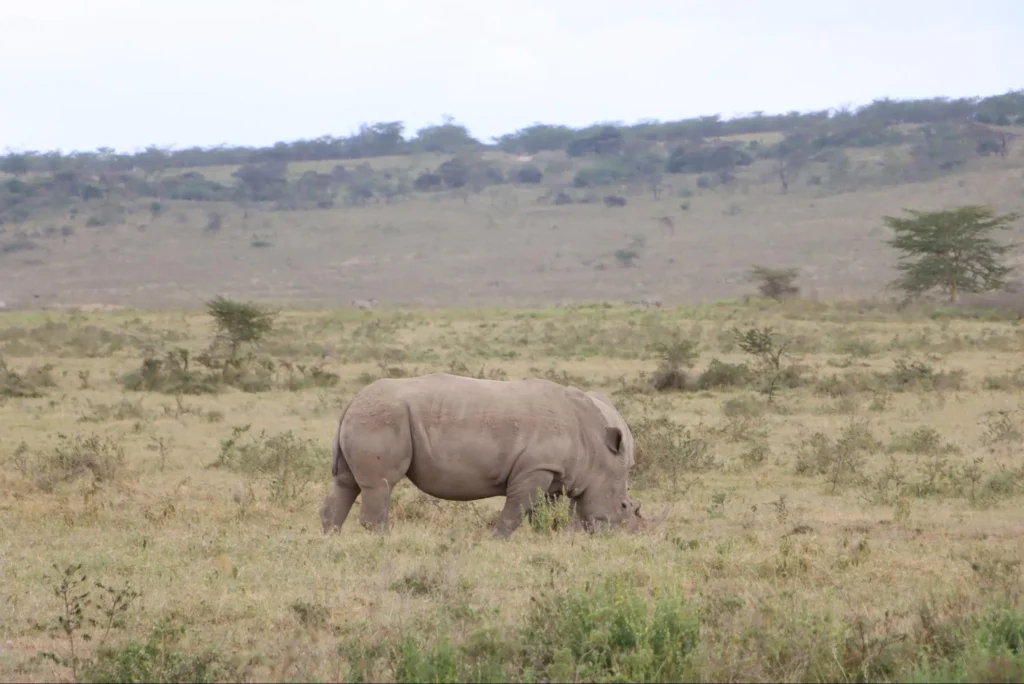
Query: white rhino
{"x": 464, "y": 439}
{"x": 615, "y": 419}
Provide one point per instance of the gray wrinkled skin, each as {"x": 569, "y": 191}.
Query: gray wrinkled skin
{"x": 614, "y": 418}
{"x": 464, "y": 439}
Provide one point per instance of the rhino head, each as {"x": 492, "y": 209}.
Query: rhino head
{"x": 630, "y": 520}
{"x": 604, "y": 502}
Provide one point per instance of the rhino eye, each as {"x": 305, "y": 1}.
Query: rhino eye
{"x": 625, "y": 505}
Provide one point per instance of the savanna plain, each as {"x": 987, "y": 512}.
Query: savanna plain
{"x": 845, "y": 473}
{"x": 847, "y": 510}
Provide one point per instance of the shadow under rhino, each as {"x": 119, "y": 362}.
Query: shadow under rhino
{"x": 464, "y": 439}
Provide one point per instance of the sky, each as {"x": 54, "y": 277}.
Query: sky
{"x": 84, "y": 74}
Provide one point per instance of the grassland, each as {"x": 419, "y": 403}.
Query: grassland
{"x": 506, "y": 245}
{"x": 864, "y": 524}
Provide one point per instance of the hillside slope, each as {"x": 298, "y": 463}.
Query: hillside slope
{"x": 506, "y": 244}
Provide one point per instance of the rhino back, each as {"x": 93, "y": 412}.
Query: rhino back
{"x": 468, "y": 435}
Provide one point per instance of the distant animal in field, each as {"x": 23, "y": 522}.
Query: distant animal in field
{"x": 365, "y": 304}
{"x": 652, "y": 303}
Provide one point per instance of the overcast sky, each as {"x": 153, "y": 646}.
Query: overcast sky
{"x": 82, "y": 74}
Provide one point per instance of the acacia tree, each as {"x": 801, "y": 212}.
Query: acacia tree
{"x": 775, "y": 283}
{"x": 239, "y": 323}
{"x": 791, "y": 155}
{"x": 952, "y": 250}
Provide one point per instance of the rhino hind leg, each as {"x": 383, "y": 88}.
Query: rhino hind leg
{"x": 376, "y": 505}
{"x": 377, "y": 462}
{"x": 376, "y": 495}
{"x": 338, "y": 502}
{"x": 337, "y": 505}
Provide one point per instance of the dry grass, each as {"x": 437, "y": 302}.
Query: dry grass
{"x": 886, "y": 548}
{"x": 508, "y": 245}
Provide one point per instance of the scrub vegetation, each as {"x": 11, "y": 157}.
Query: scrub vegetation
{"x": 846, "y": 483}
{"x": 676, "y": 211}
{"x": 184, "y": 327}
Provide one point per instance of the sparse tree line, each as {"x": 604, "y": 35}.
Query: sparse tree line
{"x": 607, "y": 158}
{"x": 945, "y": 136}
{"x": 867, "y": 126}
{"x": 263, "y": 184}
{"x": 949, "y": 133}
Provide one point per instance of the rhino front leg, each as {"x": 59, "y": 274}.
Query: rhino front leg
{"x": 519, "y": 499}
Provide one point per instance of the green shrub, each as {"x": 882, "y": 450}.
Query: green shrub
{"x": 611, "y": 632}
{"x": 27, "y": 385}
{"x": 158, "y": 660}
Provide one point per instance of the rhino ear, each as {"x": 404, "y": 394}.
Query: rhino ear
{"x": 613, "y": 438}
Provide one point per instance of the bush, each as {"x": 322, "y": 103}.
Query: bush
{"x": 674, "y": 353}
{"x": 263, "y": 454}
{"x": 158, "y": 660}
{"x": 774, "y": 283}
{"x": 171, "y": 375}
{"x": 720, "y": 374}
{"x": 285, "y": 462}
{"x": 706, "y": 159}
{"x": 597, "y": 176}
{"x": 839, "y": 460}
{"x": 529, "y": 174}
{"x": 25, "y": 385}
{"x": 612, "y": 632}
{"x": 454, "y": 173}
{"x": 238, "y": 325}
{"x": 74, "y": 456}
{"x": 665, "y": 448}
{"x": 908, "y": 374}
{"x": 429, "y": 181}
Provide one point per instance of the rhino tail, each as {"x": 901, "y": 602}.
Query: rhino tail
{"x": 336, "y": 453}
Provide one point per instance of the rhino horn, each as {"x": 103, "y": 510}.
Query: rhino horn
{"x": 649, "y": 525}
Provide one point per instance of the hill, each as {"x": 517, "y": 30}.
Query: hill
{"x": 677, "y": 211}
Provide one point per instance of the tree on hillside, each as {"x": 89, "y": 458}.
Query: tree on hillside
{"x": 644, "y": 165}
{"x": 15, "y": 164}
{"x": 597, "y": 140}
{"x": 950, "y": 249}
{"x": 536, "y": 138}
{"x": 774, "y": 283}
{"x": 153, "y": 162}
{"x": 990, "y": 140}
{"x": 264, "y": 181}
{"x": 449, "y": 137}
{"x": 791, "y": 155}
